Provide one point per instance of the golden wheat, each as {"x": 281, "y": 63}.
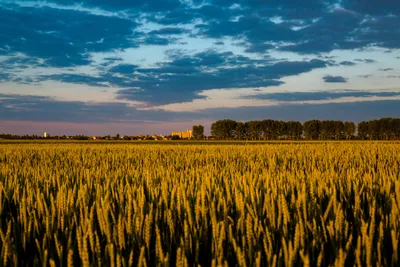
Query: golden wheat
{"x": 328, "y": 204}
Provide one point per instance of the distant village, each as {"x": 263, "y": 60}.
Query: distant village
{"x": 188, "y": 134}
{"x": 185, "y": 135}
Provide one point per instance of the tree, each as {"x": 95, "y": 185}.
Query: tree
{"x": 282, "y": 128}
{"x": 271, "y": 129}
{"x": 254, "y": 130}
{"x": 198, "y": 132}
{"x": 349, "y": 129}
{"x": 223, "y": 129}
{"x": 175, "y": 137}
{"x": 294, "y": 130}
{"x": 395, "y": 125}
{"x": 327, "y": 130}
{"x": 374, "y": 129}
{"x": 312, "y": 129}
{"x": 267, "y": 127}
{"x": 385, "y": 128}
{"x": 117, "y": 137}
{"x": 241, "y": 130}
{"x": 338, "y": 128}
{"x": 217, "y": 130}
{"x": 362, "y": 130}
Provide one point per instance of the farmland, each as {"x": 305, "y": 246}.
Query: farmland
{"x": 277, "y": 204}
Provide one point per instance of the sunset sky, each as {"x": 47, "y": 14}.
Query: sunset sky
{"x": 138, "y": 66}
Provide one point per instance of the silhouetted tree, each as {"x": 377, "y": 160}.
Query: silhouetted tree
{"x": 338, "y": 129}
{"x": 349, "y": 129}
{"x": 396, "y": 128}
{"x": 327, "y": 130}
{"x": 241, "y": 131}
{"x": 198, "y": 132}
{"x": 363, "y": 130}
{"x": 385, "y": 128}
{"x": 175, "y": 137}
{"x": 283, "y": 131}
{"x": 254, "y": 130}
{"x": 223, "y": 129}
{"x": 294, "y": 130}
{"x": 312, "y": 129}
{"x": 374, "y": 129}
{"x": 269, "y": 129}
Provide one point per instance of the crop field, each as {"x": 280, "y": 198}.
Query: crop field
{"x": 303, "y": 204}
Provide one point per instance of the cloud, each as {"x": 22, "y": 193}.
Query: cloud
{"x": 219, "y": 43}
{"x": 24, "y": 80}
{"x": 386, "y": 69}
{"x": 347, "y": 63}
{"x": 19, "y": 62}
{"x": 169, "y": 31}
{"x": 365, "y": 76}
{"x": 75, "y": 33}
{"x": 367, "y": 60}
{"x": 184, "y": 77}
{"x": 334, "y": 30}
{"x": 172, "y": 17}
{"x": 123, "y": 69}
{"x": 38, "y": 108}
{"x": 62, "y": 38}
{"x": 320, "y": 95}
{"x": 343, "y": 29}
{"x": 4, "y": 77}
{"x": 156, "y": 40}
{"x": 310, "y": 27}
{"x": 373, "y": 7}
{"x": 123, "y": 5}
{"x": 256, "y": 31}
{"x": 334, "y": 79}
{"x": 45, "y": 109}
{"x": 381, "y": 31}
{"x": 259, "y": 48}
{"x": 287, "y": 9}
{"x": 111, "y": 60}
{"x": 74, "y": 79}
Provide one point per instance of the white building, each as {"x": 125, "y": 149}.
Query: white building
{"x": 45, "y": 135}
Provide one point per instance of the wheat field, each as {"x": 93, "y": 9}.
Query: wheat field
{"x": 327, "y": 204}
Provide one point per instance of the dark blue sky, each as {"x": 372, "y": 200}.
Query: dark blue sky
{"x": 144, "y": 66}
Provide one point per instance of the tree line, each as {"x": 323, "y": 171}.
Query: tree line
{"x": 381, "y": 129}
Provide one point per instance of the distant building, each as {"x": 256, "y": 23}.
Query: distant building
{"x": 45, "y": 135}
{"x": 186, "y": 134}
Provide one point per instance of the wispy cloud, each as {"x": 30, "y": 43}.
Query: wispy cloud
{"x": 334, "y": 79}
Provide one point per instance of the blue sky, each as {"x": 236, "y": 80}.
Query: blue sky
{"x": 106, "y": 66}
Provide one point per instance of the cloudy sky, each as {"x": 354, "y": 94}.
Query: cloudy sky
{"x": 130, "y": 67}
